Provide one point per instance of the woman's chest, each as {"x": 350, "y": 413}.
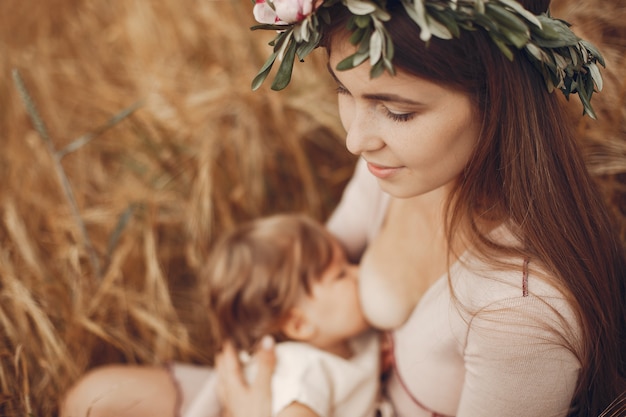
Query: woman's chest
{"x": 429, "y": 370}
{"x": 402, "y": 261}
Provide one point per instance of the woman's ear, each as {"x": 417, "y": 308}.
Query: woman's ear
{"x": 297, "y": 326}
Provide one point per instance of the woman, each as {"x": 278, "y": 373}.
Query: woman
{"x": 485, "y": 249}
{"x": 484, "y": 245}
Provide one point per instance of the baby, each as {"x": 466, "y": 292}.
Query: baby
{"x": 287, "y": 277}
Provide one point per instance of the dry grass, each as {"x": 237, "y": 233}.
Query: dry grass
{"x": 107, "y": 274}
{"x": 201, "y": 153}
{"x": 604, "y": 23}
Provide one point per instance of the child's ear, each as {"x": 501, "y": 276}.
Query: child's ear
{"x": 297, "y": 326}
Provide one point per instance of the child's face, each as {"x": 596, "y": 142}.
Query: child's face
{"x": 333, "y": 306}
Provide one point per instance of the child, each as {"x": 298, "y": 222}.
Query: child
{"x": 287, "y": 277}
{"x": 284, "y": 276}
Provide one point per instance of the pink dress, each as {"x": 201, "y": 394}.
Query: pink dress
{"x": 505, "y": 346}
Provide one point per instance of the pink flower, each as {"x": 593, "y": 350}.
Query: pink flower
{"x": 284, "y": 11}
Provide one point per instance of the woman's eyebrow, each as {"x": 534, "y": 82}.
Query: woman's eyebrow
{"x": 391, "y": 98}
{"x": 377, "y": 97}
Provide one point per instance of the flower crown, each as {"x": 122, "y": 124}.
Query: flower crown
{"x": 565, "y": 61}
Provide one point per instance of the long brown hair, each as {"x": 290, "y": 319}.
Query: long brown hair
{"x": 256, "y": 273}
{"x": 527, "y": 171}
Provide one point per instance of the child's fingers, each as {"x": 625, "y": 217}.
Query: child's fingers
{"x": 238, "y": 398}
{"x": 230, "y": 374}
{"x": 265, "y": 358}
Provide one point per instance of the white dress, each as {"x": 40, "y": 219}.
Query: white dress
{"x": 326, "y": 383}
{"x": 505, "y": 345}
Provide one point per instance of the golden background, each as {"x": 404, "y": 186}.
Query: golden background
{"x": 151, "y": 145}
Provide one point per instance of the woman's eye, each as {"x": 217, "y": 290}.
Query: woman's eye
{"x": 399, "y": 117}
{"x": 341, "y": 90}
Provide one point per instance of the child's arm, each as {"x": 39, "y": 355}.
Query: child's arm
{"x": 296, "y": 409}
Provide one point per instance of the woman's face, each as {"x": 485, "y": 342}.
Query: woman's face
{"x": 416, "y": 135}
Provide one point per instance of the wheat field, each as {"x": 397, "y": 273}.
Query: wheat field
{"x": 130, "y": 139}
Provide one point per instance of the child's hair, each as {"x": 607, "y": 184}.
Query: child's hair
{"x": 255, "y": 274}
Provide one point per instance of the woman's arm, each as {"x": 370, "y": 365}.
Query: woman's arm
{"x": 358, "y": 212}
{"x": 519, "y": 359}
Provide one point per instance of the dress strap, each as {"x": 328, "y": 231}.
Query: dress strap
{"x": 525, "y": 277}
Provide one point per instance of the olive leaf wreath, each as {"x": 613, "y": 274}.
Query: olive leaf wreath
{"x": 567, "y": 62}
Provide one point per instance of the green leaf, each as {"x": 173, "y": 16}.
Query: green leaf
{"x": 323, "y": 14}
{"x": 351, "y": 25}
{"x": 375, "y": 47}
{"x": 264, "y": 72}
{"x": 569, "y": 86}
{"x": 364, "y": 45}
{"x": 535, "y": 51}
{"x": 360, "y": 7}
{"x": 595, "y": 75}
{"x": 585, "y": 99}
{"x": 381, "y": 15}
{"x": 329, "y": 3}
{"x": 268, "y": 26}
{"x": 480, "y": 6}
{"x": 438, "y": 29}
{"x": 377, "y": 69}
{"x": 359, "y": 58}
{"x": 596, "y": 53}
{"x": 587, "y": 83}
{"x": 280, "y": 40}
{"x": 502, "y": 46}
{"x": 346, "y": 63}
{"x": 506, "y": 20}
{"x": 283, "y": 75}
{"x": 389, "y": 66}
{"x": 561, "y": 61}
{"x": 485, "y": 22}
{"x": 573, "y": 53}
{"x": 389, "y": 48}
{"x": 362, "y": 21}
{"x": 519, "y": 9}
{"x": 447, "y": 20}
{"x": 357, "y": 36}
{"x": 555, "y": 33}
{"x": 519, "y": 39}
{"x": 305, "y": 48}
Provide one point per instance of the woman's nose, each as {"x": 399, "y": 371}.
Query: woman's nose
{"x": 362, "y": 136}
{"x": 362, "y": 133}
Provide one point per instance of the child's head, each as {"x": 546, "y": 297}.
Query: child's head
{"x": 285, "y": 276}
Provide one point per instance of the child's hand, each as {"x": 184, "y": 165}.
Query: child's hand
{"x": 239, "y": 398}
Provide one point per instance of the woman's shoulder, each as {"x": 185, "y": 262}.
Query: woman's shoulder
{"x": 482, "y": 280}
{"x": 512, "y": 294}
{"x": 487, "y": 278}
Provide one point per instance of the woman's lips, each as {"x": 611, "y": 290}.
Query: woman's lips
{"x": 380, "y": 171}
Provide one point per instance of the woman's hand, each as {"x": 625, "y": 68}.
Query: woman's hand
{"x": 240, "y": 398}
